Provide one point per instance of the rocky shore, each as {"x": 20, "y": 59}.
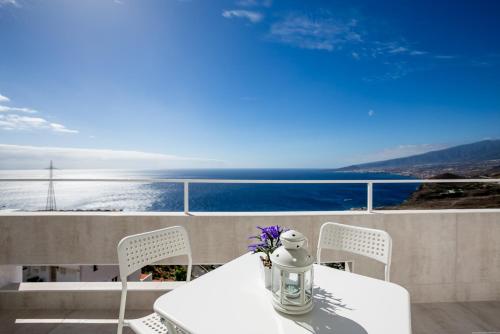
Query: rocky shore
{"x": 456, "y": 195}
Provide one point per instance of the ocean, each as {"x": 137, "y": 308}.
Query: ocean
{"x": 160, "y": 197}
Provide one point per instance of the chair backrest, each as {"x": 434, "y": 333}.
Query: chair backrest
{"x": 372, "y": 243}
{"x": 139, "y": 250}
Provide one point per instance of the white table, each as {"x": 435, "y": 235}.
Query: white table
{"x": 232, "y": 299}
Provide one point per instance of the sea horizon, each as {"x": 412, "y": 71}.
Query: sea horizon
{"x": 168, "y": 197}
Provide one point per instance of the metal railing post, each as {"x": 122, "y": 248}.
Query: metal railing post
{"x": 186, "y": 197}
{"x": 369, "y": 196}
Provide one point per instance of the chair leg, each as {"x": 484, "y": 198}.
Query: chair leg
{"x": 123, "y": 303}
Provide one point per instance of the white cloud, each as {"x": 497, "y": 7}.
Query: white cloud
{"x": 394, "y": 48}
{"x": 14, "y": 122}
{"x": 9, "y": 3}
{"x": 399, "y": 49}
{"x": 4, "y": 98}
{"x": 322, "y": 32}
{"x": 418, "y": 53}
{"x": 445, "y": 57}
{"x": 371, "y": 112}
{"x": 61, "y": 128}
{"x": 252, "y": 16}
{"x": 328, "y": 31}
{"x": 15, "y": 109}
{"x": 34, "y": 157}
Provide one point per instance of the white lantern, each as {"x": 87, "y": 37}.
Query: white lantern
{"x": 292, "y": 275}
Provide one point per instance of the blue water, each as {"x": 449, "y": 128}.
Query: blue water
{"x": 203, "y": 197}
{"x": 277, "y": 197}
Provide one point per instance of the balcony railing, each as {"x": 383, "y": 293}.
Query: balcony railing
{"x": 186, "y": 182}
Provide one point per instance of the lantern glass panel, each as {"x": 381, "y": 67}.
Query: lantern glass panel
{"x": 293, "y": 287}
{"x": 308, "y": 286}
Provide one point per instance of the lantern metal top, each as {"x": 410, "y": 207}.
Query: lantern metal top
{"x": 292, "y": 239}
{"x": 292, "y": 254}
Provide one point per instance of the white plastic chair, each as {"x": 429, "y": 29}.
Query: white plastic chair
{"x": 372, "y": 243}
{"x": 139, "y": 250}
{"x": 174, "y": 327}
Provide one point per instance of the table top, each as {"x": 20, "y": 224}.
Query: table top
{"x": 232, "y": 299}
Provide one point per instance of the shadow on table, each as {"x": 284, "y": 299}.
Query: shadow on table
{"x": 324, "y": 318}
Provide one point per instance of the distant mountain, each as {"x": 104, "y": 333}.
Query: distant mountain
{"x": 464, "y": 155}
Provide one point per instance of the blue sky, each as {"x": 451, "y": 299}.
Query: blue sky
{"x": 245, "y": 83}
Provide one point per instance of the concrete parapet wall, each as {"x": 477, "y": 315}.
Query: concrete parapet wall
{"x": 439, "y": 256}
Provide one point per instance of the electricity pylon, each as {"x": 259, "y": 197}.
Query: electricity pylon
{"x": 51, "y": 195}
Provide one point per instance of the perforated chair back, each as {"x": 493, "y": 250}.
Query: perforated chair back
{"x": 139, "y": 250}
{"x": 371, "y": 243}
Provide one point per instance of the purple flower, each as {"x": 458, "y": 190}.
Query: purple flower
{"x": 255, "y": 247}
{"x": 270, "y": 232}
{"x": 269, "y": 238}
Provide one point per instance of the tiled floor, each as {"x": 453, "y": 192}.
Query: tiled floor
{"x": 456, "y": 318}
{"x": 436, "y": 318}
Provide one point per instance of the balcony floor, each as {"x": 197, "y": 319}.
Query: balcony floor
{"x": 432, "y": 318}
{"x": 61, "y": 322}
{"x": 456, "y": 318}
